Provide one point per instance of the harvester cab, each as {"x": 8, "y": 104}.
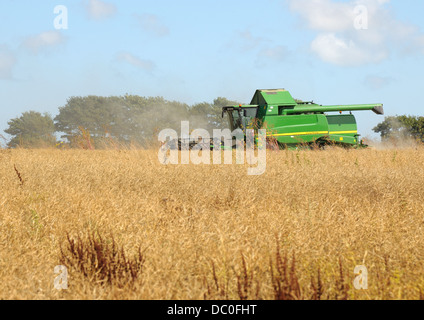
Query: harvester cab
{"x": 241, "y": 117}
{"x": 291, "y": 122}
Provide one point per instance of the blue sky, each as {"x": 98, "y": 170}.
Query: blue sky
{"x": 195, "y": 51}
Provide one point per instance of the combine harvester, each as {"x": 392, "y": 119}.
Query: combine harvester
{"x": 292, "y": 124}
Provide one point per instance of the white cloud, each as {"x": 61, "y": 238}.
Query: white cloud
{"x": 146, "y": 65}
{"x": 151, "y": 23}
{"x": 338, "y": 41}
{"x": 344, "y": 51}
{"x": 324, "y": 15}
{"x": 7, "y": 62}
{"x": 99, "y": 10}
{"x": 43, "y": 40}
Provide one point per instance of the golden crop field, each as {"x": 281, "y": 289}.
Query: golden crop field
{"x": 127, "y": 227}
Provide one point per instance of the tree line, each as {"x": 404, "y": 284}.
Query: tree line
{"x": 401, "y": 128}
{"x": 93, "y": 120}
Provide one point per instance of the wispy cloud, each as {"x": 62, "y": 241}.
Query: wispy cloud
{"x": 146, "y": 65}
{"x": 377, "y": 82}
{"x": 152, "y": 24}
{"x": 277, "y": 53}
{"x": 44, "y": 40}
{"x": 7, "y": 62}
{"x": 338, "y": 41}
{"x": 250, "y": 41}
{"x": 262, "y": 47}
{"x": 99, "y": 10}
{"x": 273, "y": 55}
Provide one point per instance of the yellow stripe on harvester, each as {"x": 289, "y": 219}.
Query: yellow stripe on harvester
{"x": 343, "y": 132}
{"x": 298, "y": 133}
{"x": 310, "y": 133}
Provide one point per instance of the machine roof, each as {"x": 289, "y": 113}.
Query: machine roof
{"x": 280, "y": 97}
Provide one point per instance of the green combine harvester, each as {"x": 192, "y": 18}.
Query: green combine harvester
{"x": 291, "y": 123}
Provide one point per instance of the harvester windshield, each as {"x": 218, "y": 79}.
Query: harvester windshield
{"x": 240, "y": 117}
{"x": 235, "y": 120}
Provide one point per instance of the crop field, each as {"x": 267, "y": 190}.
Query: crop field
{"x": 127, "y": 227}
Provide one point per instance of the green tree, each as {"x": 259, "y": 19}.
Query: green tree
{"x": 401, "y": 127}
{"x": 126, "y": 119}
{"x": 31, "y": 130}
{"x": 98, "y": 115}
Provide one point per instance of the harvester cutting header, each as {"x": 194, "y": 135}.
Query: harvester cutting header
{"x": 291, "y": 123}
